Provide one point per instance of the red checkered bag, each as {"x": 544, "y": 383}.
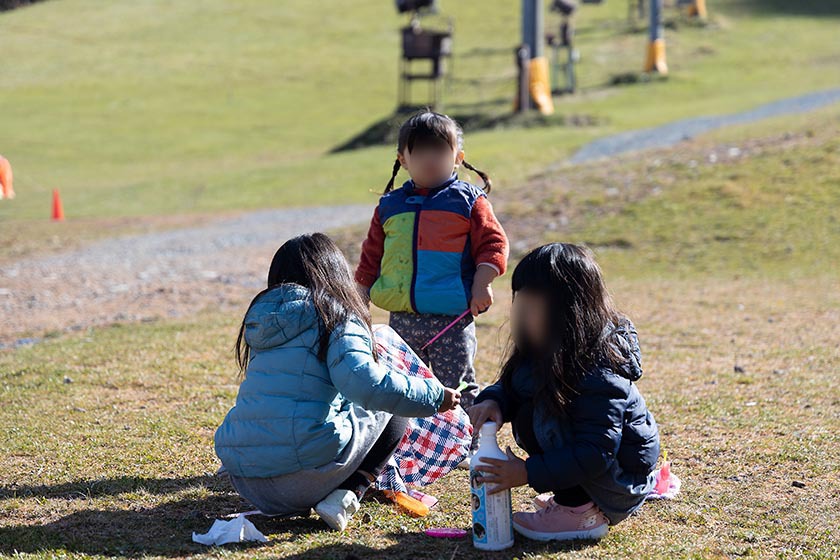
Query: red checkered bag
{"x": 432, "y": 446}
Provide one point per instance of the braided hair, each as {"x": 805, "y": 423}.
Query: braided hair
{"x": 428, "y": 128}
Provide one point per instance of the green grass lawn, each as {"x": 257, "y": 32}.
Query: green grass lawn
{"x": 732, "y": 204}
{"x": 107, "y": 439}
{"x": 160, "y": 107}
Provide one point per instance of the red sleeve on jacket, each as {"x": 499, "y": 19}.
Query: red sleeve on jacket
{"x": 372, "y": 249}
{"x": 489, "y": 242}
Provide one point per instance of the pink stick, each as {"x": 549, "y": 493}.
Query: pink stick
{"x": 446, "y": 328}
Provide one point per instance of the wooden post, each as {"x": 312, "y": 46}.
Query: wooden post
{"x": 523, "y": 94}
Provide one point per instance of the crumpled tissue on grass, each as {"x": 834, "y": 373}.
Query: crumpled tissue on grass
{"x": 238, "y": 529}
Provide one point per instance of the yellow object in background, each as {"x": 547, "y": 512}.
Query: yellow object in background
{"x": 698, "y": 9}
{"x": 539, "y": 86}
{"x": 655, "y": 61}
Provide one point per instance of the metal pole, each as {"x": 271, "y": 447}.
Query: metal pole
{"x": 523, "y": 94}
{"x": 656, "y": 28}
{"x": 533, "y": 26}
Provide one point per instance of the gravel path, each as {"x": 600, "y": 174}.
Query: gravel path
{"x": 672, "y": 133}
{"x": 153, "y": 275}
{"x": 221, "y": 265}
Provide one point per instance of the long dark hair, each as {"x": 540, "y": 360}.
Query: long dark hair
{"x": 580, "y": 316}
{"x": 428, "y": 128}
{"x": 315, "y": 262}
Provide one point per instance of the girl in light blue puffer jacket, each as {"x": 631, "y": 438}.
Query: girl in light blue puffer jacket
{"x": 316, "y": 417}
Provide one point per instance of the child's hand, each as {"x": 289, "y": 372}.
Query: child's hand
{"x": 482, "y": 299}
{"x": 451, "y": 399}
{"x": 484, "y": 411}
{"x": 504, "y": 474}
{"x": 482, "y": 293}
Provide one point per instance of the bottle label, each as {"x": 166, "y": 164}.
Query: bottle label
{"x": 492, "y": 522}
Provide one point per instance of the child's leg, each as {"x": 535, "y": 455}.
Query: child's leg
{"x": 377, "y": 457}
{"x": 572, "y": 497}
{"x": 455, "y": 357}
{"x": 413, "y": 329}
{"x": 523, "y": 429}
{"x": 451, "y": 356}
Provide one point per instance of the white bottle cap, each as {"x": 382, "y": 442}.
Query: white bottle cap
{"x": 489, "y": 429}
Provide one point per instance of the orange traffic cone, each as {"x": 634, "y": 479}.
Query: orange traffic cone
{"x": 7, "y": 189}
{"x": 58, "y": 208}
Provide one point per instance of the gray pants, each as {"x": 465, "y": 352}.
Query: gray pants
{"x": 296, "y": 493}
{"x": 451, "y": 356}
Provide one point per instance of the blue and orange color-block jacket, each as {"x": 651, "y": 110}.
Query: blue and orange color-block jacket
{"x": 424, "y": 245}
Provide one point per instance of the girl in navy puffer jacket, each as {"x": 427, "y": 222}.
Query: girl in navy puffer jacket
{"x": 568, "y": 390}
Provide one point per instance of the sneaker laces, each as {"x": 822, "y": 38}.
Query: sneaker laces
{"x": 549, "y": 509}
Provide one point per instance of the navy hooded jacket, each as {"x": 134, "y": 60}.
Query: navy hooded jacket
{"x": 608, "y": 443}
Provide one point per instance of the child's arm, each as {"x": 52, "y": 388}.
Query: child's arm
{"x": 360, "y": 379}
{"x": 371, "y": 258}
{"x": 508, "y": 403}
{"x": 597, "y": 422}
{"x": 489, "y": 250}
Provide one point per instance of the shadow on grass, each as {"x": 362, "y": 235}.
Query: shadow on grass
{"x": 165, "y": 528}
{"x": 414, "y": 546}
{"x": 130, "y": 528}
{"x": 108, "y": 487}
{"x": 789, "y": 7}
{"x": 471, "y": 118}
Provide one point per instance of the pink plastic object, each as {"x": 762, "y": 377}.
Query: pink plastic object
{"x": 423, "y": 498}
{"x": 663, "y": 480}
{"x": 446, "y": 533}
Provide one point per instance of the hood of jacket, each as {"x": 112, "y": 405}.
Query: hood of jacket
{"x": 279, "y": 315}
{"x": 625, "y": 342}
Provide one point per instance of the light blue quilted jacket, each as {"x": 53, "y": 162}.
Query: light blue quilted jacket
{"x": 293, "y": 411}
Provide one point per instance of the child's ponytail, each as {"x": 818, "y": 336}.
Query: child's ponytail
{"x": 390, "y": 186}
{"x": 484, "y": 177}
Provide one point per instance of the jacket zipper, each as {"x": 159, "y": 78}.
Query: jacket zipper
{"x": 414, "y": 259}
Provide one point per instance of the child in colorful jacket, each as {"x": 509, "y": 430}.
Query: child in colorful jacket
{"x": 433, "y": 249}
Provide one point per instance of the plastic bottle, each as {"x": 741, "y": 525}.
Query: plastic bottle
{"x": 663, "y": 479}
{"x": 492, "y": 515}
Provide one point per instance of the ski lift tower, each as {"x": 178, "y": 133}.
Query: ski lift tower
{"x": 655, "y": 60}
{"x": 419, "y": 44}
{"x": 563, "y": 41}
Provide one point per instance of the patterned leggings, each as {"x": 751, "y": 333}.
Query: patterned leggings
{"x": 451, "y": 356}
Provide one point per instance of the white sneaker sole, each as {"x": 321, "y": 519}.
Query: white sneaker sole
{"x": 589, "y": 535}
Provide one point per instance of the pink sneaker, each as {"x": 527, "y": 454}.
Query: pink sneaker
{"x": 560, "y": 523}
